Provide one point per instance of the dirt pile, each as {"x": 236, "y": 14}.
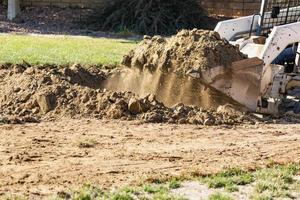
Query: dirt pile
{"x": 188, "y": 50}
{"x": 159, "y": 66}
{"x": 35, "y": 93}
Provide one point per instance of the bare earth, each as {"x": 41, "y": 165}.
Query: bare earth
{"x": 46, "y": 158}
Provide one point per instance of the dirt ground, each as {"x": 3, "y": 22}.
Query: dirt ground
{"x": 49, "y": 157}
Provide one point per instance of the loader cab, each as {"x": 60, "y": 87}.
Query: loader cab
{"x": 277, "y": 13}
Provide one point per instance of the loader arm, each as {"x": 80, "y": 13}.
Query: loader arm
{"x": 230, "y": 28}
{"x": 279, "y": 39}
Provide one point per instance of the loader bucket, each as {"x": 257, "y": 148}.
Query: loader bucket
{"x": 240, "y": 81}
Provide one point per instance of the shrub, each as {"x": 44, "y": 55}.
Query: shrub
{"x": 150, "y": 16}
{"x": 3, "y": 2}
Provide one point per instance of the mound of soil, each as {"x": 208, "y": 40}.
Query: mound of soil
{"x": 188, "y": 50}
{"x": 30, "y": 94}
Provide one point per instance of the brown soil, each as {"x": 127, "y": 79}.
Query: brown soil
{"x": 194, "y": 50}
{"x": 30, "y": 94}
{"x": 43, "y": 159}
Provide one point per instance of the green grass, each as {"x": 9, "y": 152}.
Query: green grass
{"x": 219, "y": 196}
{"x": 174, "y": 184}
{"x": 275, "y": 182}
{"x": 269, "y": 183}
{"x": 62, "y": 49}
{"x": 147, "y": 191}
{"x": 229, "y": 180}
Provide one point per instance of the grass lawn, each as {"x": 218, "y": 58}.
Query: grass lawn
{"x": 62, "y": 49}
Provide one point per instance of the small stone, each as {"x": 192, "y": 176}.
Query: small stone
{"x": 46, "y": 102}
{"x": 18, "y": 69}
{"x": 35, "y": 110}
{"x": 134, "y": 106}
{"x": 30, "y": 119}
{"x": 85, "y": 98}
{"x": 17, "y": 89}
{"x": 151, "y": 97}
{"x": 18, "y": 110}
{"x": 182, "y": 121}
{"x": 115, "y": 112}
{"x": 153, "y": 117}
{"x": 30, "y": 70}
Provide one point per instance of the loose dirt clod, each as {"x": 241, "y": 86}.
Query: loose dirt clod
{"x": 39, "y": 92}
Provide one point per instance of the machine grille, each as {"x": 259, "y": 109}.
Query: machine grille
{"x": 278, "y": 12}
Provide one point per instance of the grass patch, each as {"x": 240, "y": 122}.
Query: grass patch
{"x": 269, "y": 183}
{"x": 62, "y": 50}
{"x": 88, "y": 192}
{"x": 174, "y": 184}
{"x": 229, "y": 180}
{"x": 147, "y": 191}
{"x": 275, "y": 182}
{"x": 219, "y": 196}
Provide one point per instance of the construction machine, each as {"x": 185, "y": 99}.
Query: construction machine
{"x": 269, "y": 80}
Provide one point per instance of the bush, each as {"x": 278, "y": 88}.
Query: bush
{"x": 3, "y": 3}
{"x": 150, "y": 16}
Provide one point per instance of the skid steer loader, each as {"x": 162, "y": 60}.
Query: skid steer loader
{"x": 269, "y": 80}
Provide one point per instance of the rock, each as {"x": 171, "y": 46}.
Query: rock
{"x": 134, "y": 106}
{"x": 35, "y": 110}
{"x": 46, "y": 102}
{"x": 18, "y": 69}
{"x": 17, "y": 89}
{"x": 228, "y": 109}
{"x": 18, "y": 110}
{"x": 151, "y": 97}
{"x": 30, "y": 70}
{"x": 30, "y": 119}
{"x": 153, "y": 117}
{"x": 115, "y": 112}
{"x": 84, "y": 98}
{"x": 182, "y": 121}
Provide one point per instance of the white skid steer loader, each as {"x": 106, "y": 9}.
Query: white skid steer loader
{"x": 269, "y": 80}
